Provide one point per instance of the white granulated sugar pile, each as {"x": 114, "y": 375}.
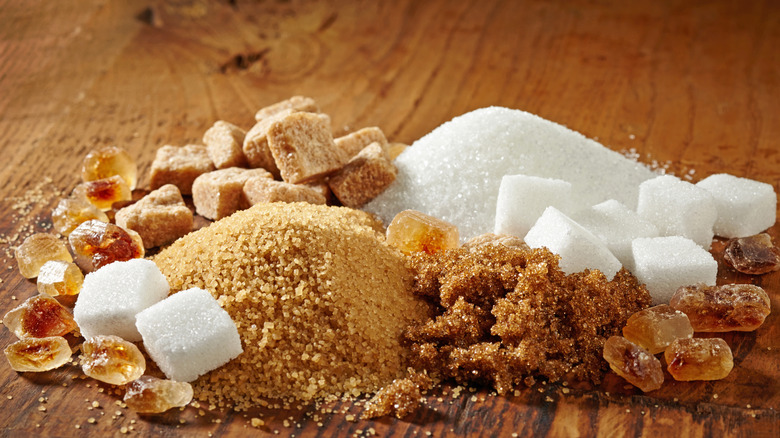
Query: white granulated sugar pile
{"x": 454, "y": 172}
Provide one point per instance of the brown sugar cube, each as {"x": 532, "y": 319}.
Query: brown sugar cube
{"x": 220, "y": 193}
{"x": 255, "y": 146}
{"x": 366, "y": 175}
{"x": 351, "y": 144}
{"x": 303, "y": 147}
{"x": 224, "y": 142}
{"x": 159, "y": 217}
{"x": 295, "y": 103}
{"x": 259, "y": 190}
{"x": 180, "y": 165}
{"x": 321, "y": 186}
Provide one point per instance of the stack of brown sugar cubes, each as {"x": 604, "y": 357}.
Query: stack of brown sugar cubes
{"x": 289, "y": 155}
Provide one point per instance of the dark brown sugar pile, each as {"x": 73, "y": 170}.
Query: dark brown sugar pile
{"x": 508, "y": 315}
{"x": 319, "y": 300}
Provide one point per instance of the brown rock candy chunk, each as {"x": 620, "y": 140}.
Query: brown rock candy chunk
{"x": 731, "y": 307}
{"x": 656, "y": 327}
{"x": 753, "y": 255}
{"x": 699, "y": 359}
{"x": 633, "y": 363}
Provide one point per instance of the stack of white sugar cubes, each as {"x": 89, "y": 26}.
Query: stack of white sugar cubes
{"x": 594, "y": 207}
{"x": 187, "y": 334}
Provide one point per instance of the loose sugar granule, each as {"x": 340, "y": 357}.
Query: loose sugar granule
{"x": 319, "y": 300}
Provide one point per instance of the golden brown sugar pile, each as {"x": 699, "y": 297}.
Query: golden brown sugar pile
{"x": 509, "y": 315}
{"x": 319, "y": 299}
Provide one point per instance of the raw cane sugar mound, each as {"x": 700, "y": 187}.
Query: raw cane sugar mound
{"x": 319, "y": 300}
{"x": 454, "y": 172}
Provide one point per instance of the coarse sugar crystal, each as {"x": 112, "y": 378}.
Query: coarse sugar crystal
{"x": 188, "y": 334}
{"x": 39, "y": 316}
{"x": 412, "y": 231}
{"x": 111, "y": 359}
{"x": 59, "y": 278}
{"x": 724, "y": 308}
{"x": 38, "y": 249}
{"x": 633, "y": 363}
{"x": 38, "y": 354}
{"x": 656, "y": 327}
{"x": 699, "y": 359}
{"x": 150, "y": 395}
{"x": 753, "y": 254}
{"x": 108, "y": 161}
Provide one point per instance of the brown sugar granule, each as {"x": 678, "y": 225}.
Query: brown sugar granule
{"x": 400, "y": 398}
{"x": 506, "y": 314}
{"x": 319, "y": 300}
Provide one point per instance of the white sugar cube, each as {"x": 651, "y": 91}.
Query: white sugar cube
{"x": 678, "y": 208}
{"x": 111, "y": 297}
{"x": 616, "y": 225}
{"x": 664, "y": 264}
{"x": 188, "y": 334}
{"x": 578, "y": 248}
{"x": 745, "y": 207}
{"x": 522, "y": 199}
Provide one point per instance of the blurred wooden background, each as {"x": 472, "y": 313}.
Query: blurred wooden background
{"x": 691, "y": 84}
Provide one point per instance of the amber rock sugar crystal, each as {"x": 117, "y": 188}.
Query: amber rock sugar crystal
{"x": 102, "y": 243}
{"x": 38, "y": 249}
{"x": 103, "y": 193}
{"x": 111, "y": 359}
{"x": 108, "y": 161}
{"x": 38, "y": 354}
{"x": 39, "y": 317}
{"x": 633, "y": 363}
{"x": 60, "y": 278}
{"x": 413, "y": 231}
{"x": 72, "y": 212}
{"x": 731, "y": 307}
{"x": 656, "y": 327}
{"x": 699, "y": 359}
{"x": 753, "y": 255}
{"x": 150, "y": 395}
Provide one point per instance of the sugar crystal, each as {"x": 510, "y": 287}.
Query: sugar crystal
{"x": 150, "y": 395}
{"x": 699, "y": 359}
{"x": 656, "y": 327}
{"x": 413, "y": 231}
{"x": 103, "y": 193}
{"x": 39, "y": 316}
{"x": 59, "y": 278}
{"x": 753, "y": 254}
{"x": 111, "y": 359}
{"x": 38, "y": 354}
{"x": 633, "y": 363}
{"x": 100, "y": 243}
{"x": 72, "y": 212}
{"x": 109, "y": 161}
{"x": 38, "y": 249}
{"x": 731, "y": 307}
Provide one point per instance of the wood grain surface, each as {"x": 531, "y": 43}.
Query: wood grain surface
{"x": 694, "y": 85}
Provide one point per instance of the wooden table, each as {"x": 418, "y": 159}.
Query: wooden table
{"x": 692, "y": 84}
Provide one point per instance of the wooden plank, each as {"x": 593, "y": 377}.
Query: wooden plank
{"x": 690, "y": 84}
